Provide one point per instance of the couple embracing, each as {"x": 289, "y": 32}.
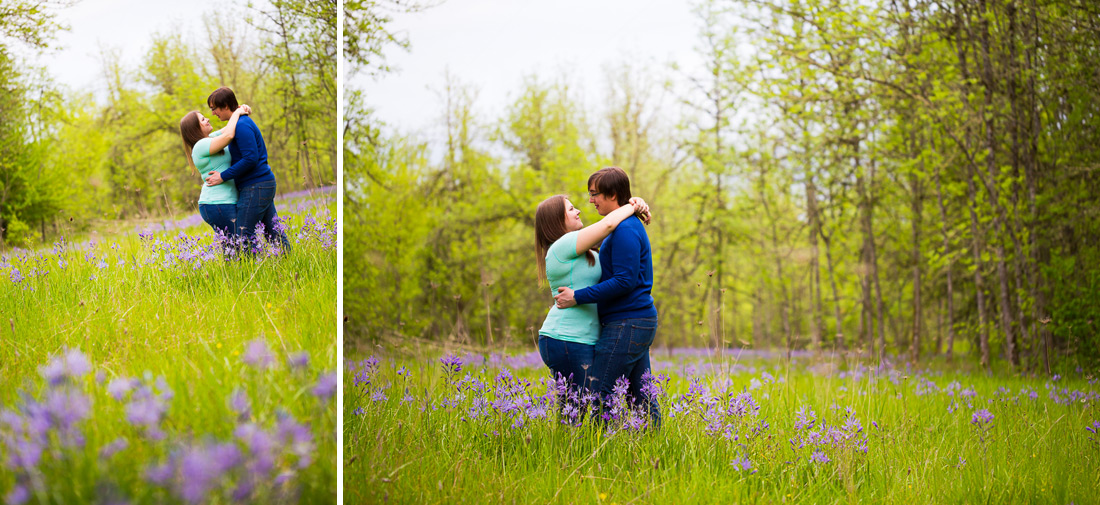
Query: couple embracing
{"x": 238, "y": 191}
{"x": 603, "y": 320}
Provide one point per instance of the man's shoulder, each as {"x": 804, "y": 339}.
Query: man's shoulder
{"x": 247, "y": 122}
{"x": 631, "y": 226}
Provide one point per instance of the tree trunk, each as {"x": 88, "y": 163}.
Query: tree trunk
{"x": 815, "y": 270}
{"x": 916, "y": 207}
{"x": 946, "y": 254}
{"x": 994, "y": 173}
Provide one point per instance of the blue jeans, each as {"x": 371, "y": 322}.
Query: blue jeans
{"x": 569, "y": 359}
{"x": 623, "y": 351}
{"x": 219, "y": 216}
{"x": 256, "y": 204}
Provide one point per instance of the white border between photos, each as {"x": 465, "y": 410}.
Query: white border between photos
{"x": 340, "y": 252}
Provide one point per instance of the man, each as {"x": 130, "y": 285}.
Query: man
{"x": 255, "y": 181}
{"x": 624, "y": 303}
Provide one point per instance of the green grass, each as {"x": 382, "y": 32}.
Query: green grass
{"x": 136, "y": 314}
{"x": 1037, "y": 450}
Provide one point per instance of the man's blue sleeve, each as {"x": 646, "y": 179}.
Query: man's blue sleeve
{"x": 627, "y": 265}
{"x": 250, "y": 152}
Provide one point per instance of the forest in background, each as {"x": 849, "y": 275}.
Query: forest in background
{"x": 70, "y": 159}
{"x": 894, "y": 178}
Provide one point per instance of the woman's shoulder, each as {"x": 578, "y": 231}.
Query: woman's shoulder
{"x": 201, "y": 149}
{"x": 564, "y": 248}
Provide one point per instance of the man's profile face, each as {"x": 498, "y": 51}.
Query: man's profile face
{"x": 603, "y": 203}
{"x": 223, "y": 113}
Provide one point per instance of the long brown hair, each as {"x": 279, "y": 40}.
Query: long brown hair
{"x": 549, "y": 227}
{"x": 191, "y": 131}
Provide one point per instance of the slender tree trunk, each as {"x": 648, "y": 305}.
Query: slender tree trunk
{"x": 784, "y": 299}
{"x": 976, "y": 244}
{"x": 950, "y": 298}
{"x": 916, "y": 207}
{"x": 815, "y": 270}
{"x": 1031, "y": 175}
{"x": 994, "y": 178}
{"x": 881, "y": 313}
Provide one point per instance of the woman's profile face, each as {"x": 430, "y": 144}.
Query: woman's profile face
{"x": 572, "y": 217}
{"x": 205, "y": 125}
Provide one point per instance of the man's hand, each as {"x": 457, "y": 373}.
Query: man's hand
{"x": 213, "y": 178}
{"x": 564, "y": 298}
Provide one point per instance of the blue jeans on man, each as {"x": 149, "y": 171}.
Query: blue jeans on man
{"x": 256, "y": 204}
{"x": 623, "y": 351}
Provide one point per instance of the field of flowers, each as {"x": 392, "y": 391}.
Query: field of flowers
{"x": 744, "y": 427}
{"x": 160, "y": 365}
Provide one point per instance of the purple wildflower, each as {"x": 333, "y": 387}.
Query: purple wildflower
{"x": 297, "y": 438}
{"x": 1094, "y": 429}
{"x": 18, "y": 495}
{"x": 113, "y": 448}
{"x": 238, "y": 401}
{"x": 743, "y": 405}
{"x": 118, "y": 388}
{"x": 652, "y": 385}
{"x": 159, "y": 474}
{"x": 326, "y": 386}
{"x": 16, "y": 278}
{"x": 202, "y": 467}
{"x": 452, "y": 364}
{"x": 257, "y": 354}
{"x": 742, "y": 464}
{"x": 298, "y": 360}
{"x": 72, "y": 365}
{"x": 804, "y": 418}
{"x": 819, "y": 457}
{"x": 982, "y": 418}
{"x": 261, "y": 448}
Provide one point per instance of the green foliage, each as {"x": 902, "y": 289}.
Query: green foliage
{"x": 891, "y": 179}
{"x": 80, "y": 160}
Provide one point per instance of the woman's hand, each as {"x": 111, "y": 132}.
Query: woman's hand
{"x": 641, "y": 209}
{"x": 243, "y": 110}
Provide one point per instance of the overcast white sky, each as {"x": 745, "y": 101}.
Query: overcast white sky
{"x": 493, "y": 44}
{"x": 125, "y": 25}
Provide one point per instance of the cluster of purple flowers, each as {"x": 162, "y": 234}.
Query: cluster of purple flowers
{"x": 982, "y": 419}
{"x": 813, "y": 432}
{"x": 258, "y": 457}
{"x": 722, "y": 410}
{"x": 146, "y": 407}
{"x": 164, "y": 252}
{"x": 27, "y": 431}
{"x": 261, "y": 456}
{"x": 1094, "y": 428}
{"x": 365, "y": 385}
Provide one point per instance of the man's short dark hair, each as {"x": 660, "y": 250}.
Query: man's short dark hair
{"x": 611, "y": 181}
{"x": 222, "y": 97}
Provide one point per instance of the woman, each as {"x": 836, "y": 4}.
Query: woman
{"x": 566, "y": 258}
{"x": 207, "y": 151}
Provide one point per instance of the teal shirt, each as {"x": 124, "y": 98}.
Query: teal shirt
{"x": 205, "y": 162}
{"x": 564, "y": 268}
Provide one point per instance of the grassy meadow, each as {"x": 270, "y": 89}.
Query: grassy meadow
{"x": 152, "y": 365}
{"x": 745, "y": 427}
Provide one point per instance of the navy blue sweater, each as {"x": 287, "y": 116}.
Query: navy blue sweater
{"x": 249, "y": 154}
{"x": 627, "y": 275}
